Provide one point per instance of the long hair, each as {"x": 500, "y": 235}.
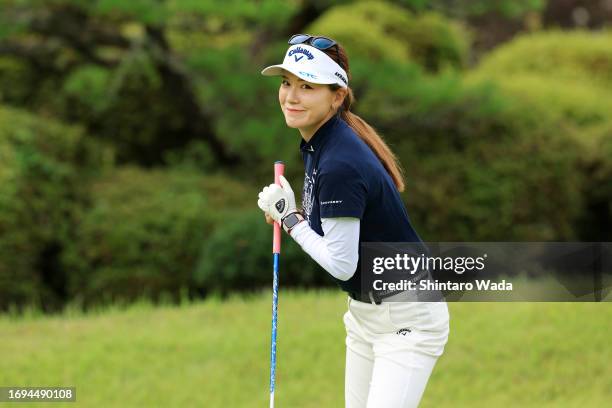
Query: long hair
{"x": 366, "y": 132}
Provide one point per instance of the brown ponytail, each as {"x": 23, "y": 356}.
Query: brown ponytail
{"x": 362, "y": 128}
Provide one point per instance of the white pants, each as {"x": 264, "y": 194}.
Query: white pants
{"x": 391, "y": 350}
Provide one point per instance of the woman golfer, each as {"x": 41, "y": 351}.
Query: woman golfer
{"x": 351, "y": 195}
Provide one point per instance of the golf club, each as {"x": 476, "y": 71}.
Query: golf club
{"x": 279, "y": 168}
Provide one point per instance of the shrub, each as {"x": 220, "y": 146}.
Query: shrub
{"x": 479, "y": 165}
{"x": 580, "y": 104}
{"x": 143, "y": 233}
{"x": 239, "y": 257}
{"x": 379, "y": 31}
{"x": 575, "y": 56}
{"x": 15, "y": 81}
{"x": 568, "y": 76}
{"x": 595, "y": 224}
{"x": 45, "y": 168}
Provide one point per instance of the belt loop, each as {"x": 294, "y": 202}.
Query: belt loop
{"x": 374, "y": 299}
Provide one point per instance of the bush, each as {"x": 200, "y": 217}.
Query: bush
{"x": 510, "y": 9}
{"x": 379, "y": 31}
{"x": 579, "y": 104}
{"x": 15, "y": 81}
{"x": 567, "y": 75}
{"x": 45, "y": 168}
{"x": 143, "y": 234}
{"x": 479, "y": 165}
{"x": 239, "y": 257}
{"x": 522, "y": 190}
{"x": 577, "y": 56}
{"x": 595, "y": 224}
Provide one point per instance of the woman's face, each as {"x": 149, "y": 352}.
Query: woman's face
{"x": 305, "y": 105}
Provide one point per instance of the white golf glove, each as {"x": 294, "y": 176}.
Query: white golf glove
{"x": 277, "y": 201}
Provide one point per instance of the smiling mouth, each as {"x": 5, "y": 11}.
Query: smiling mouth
{"x": 294, "y": 110}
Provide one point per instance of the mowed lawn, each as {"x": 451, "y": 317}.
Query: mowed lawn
{"x": 216, "y": 354}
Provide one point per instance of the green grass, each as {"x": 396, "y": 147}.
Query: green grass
{"x": 216, "y": 354}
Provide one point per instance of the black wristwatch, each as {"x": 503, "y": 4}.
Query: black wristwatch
{"x": 291, "y": 220}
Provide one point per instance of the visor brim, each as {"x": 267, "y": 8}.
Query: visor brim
{"x": 278, "y": 70}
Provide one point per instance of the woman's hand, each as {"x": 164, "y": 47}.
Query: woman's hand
{"x": 277, "y": 201}
{"x": 269, "y": 219}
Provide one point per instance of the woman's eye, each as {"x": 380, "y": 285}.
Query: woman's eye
{"x": 284, "y": 82}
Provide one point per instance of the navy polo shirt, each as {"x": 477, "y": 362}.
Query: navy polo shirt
{"x": 344, "y": 178}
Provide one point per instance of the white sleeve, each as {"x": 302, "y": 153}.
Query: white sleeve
{"x": 338, "y": 250}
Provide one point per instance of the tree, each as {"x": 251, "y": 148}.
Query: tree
{"x": 119, "y": 67}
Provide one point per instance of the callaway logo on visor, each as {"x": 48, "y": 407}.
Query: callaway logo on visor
{"x": 300, "y": 50}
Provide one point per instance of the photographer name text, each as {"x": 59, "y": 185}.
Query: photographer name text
{"x": 478, "y": 284}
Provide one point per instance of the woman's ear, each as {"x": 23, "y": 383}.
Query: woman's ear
{"x": 341, "y": 93}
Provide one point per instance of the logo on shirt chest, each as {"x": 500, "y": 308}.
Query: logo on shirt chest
{"x": 331, "y": 202}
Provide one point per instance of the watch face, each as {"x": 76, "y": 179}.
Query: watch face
{"x": 291, "y": 220}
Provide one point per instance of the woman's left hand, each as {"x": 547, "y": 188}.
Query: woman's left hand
{"x": 269, "y": 219}
{"x": 277, "y": 201}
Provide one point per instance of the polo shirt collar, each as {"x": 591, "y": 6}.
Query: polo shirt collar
{"x": 321, "y": 135}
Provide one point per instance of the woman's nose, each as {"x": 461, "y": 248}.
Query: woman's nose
{"x": 292, "y": 95}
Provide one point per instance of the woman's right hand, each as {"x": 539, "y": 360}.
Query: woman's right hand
{"x": 269, "y": 219}
{"x": 277, "y": 200}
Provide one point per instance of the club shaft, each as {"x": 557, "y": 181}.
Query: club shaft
{"x": 279, "y": 169}
{"x": 274, "y": 329}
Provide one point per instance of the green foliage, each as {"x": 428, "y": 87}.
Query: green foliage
{"x": 15, "y": 80}
{"x": 476, "y": 161}
{"x": 363, "y": 31}
{"x": 507, "y": 8}
{"x": 237, "y": 12}
{"x": 475, "y": 8}
{"x": 569, "y": 76}
{"x": 578, "y": 56}
{"x": 595, "y": 223}
{"x": 577, "y": 103}
{"x": 146, "y": 11}
{"x": 238, "y": 257}
{"x": 245, "y": 105}
{"x": 112, "y": 102}
{"x": 518, "y": 149}
{"x": 13, "y": 20}
{"x": 380, "y": 31}
{"x": 196, "y": 156}
{"x": 45, "y": 168}
{"x": 143, "y": 233}
{"x": 89, "y": 84}
{"x": 436, "y": 42}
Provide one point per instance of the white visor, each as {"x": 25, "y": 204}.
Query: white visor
{"x": 310, "y": 64}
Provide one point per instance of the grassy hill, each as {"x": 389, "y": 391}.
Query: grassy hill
{"x": 216, "y": 354}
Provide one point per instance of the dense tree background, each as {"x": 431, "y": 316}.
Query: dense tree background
{"x": 134, "y": 136}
